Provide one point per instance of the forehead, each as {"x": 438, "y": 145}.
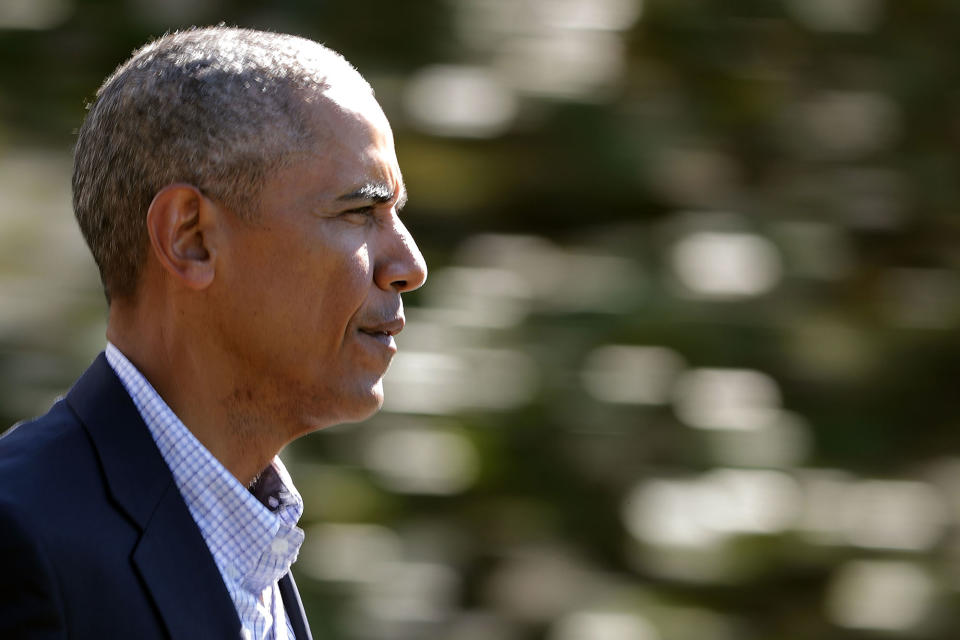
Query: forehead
{"x": 349, "y": 122}
{"x": 350, "y": 152}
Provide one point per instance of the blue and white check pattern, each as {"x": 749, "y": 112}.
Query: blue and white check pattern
{"x": 253, "y": 543}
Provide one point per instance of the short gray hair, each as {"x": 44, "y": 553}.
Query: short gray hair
{"x": 219, "y": 108}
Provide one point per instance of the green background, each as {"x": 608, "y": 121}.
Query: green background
{"x": 685, "y": 365}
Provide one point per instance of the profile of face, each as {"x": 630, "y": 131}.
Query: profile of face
{"x": 310, "y": 292}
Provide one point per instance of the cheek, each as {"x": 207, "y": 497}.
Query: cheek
{"x": 350, "y": 272}
{"x": 359, "y": 266}
{"x": 342, "y": 286}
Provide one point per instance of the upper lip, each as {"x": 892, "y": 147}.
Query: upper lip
{"x": 389, "y": 327}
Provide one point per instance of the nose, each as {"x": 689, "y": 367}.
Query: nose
{"x": 401, "y": 267}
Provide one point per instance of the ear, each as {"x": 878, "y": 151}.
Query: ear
{"x": 180, "y": 222}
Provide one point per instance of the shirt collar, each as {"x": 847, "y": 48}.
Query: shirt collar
{"x": 251, "y": 533}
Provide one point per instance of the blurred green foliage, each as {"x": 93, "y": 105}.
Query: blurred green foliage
{"x": 685, "y": 367}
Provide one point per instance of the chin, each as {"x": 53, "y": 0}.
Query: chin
{"x": 363, "y": 404}
{"x": 341, "y": 405}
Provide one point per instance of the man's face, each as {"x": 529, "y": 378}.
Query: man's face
{"x": 310, "y": 294}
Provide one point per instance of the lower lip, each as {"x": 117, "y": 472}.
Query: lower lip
{"x": 385, "y": 341}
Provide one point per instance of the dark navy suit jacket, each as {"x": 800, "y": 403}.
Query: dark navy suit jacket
{"x": 96, "y": 540}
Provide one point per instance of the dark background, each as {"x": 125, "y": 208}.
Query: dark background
{"x": 685, "y": 365}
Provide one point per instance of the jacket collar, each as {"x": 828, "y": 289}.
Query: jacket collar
{"x": 171, "y": 556}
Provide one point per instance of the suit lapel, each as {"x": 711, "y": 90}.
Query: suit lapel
{"x": 171, "y": 556}
{"x": 184, "y": 581}
{"x": 294, "y": 608}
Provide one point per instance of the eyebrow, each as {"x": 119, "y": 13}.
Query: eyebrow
{"x": 377, "y": 192}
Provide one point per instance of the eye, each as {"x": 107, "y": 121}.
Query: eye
{"x": 360, "y": 215}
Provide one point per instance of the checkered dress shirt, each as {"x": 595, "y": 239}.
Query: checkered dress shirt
{"x": 251, "y": 533}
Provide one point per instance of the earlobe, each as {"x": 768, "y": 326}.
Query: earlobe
{"x": 180, "y": 222}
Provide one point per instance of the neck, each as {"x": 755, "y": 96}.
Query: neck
{"x": 196, "y": 381}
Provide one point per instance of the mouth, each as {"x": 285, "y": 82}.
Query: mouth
{"x": 383, "y": 332}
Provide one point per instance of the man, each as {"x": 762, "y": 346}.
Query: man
{"x": 240, "y": 194}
